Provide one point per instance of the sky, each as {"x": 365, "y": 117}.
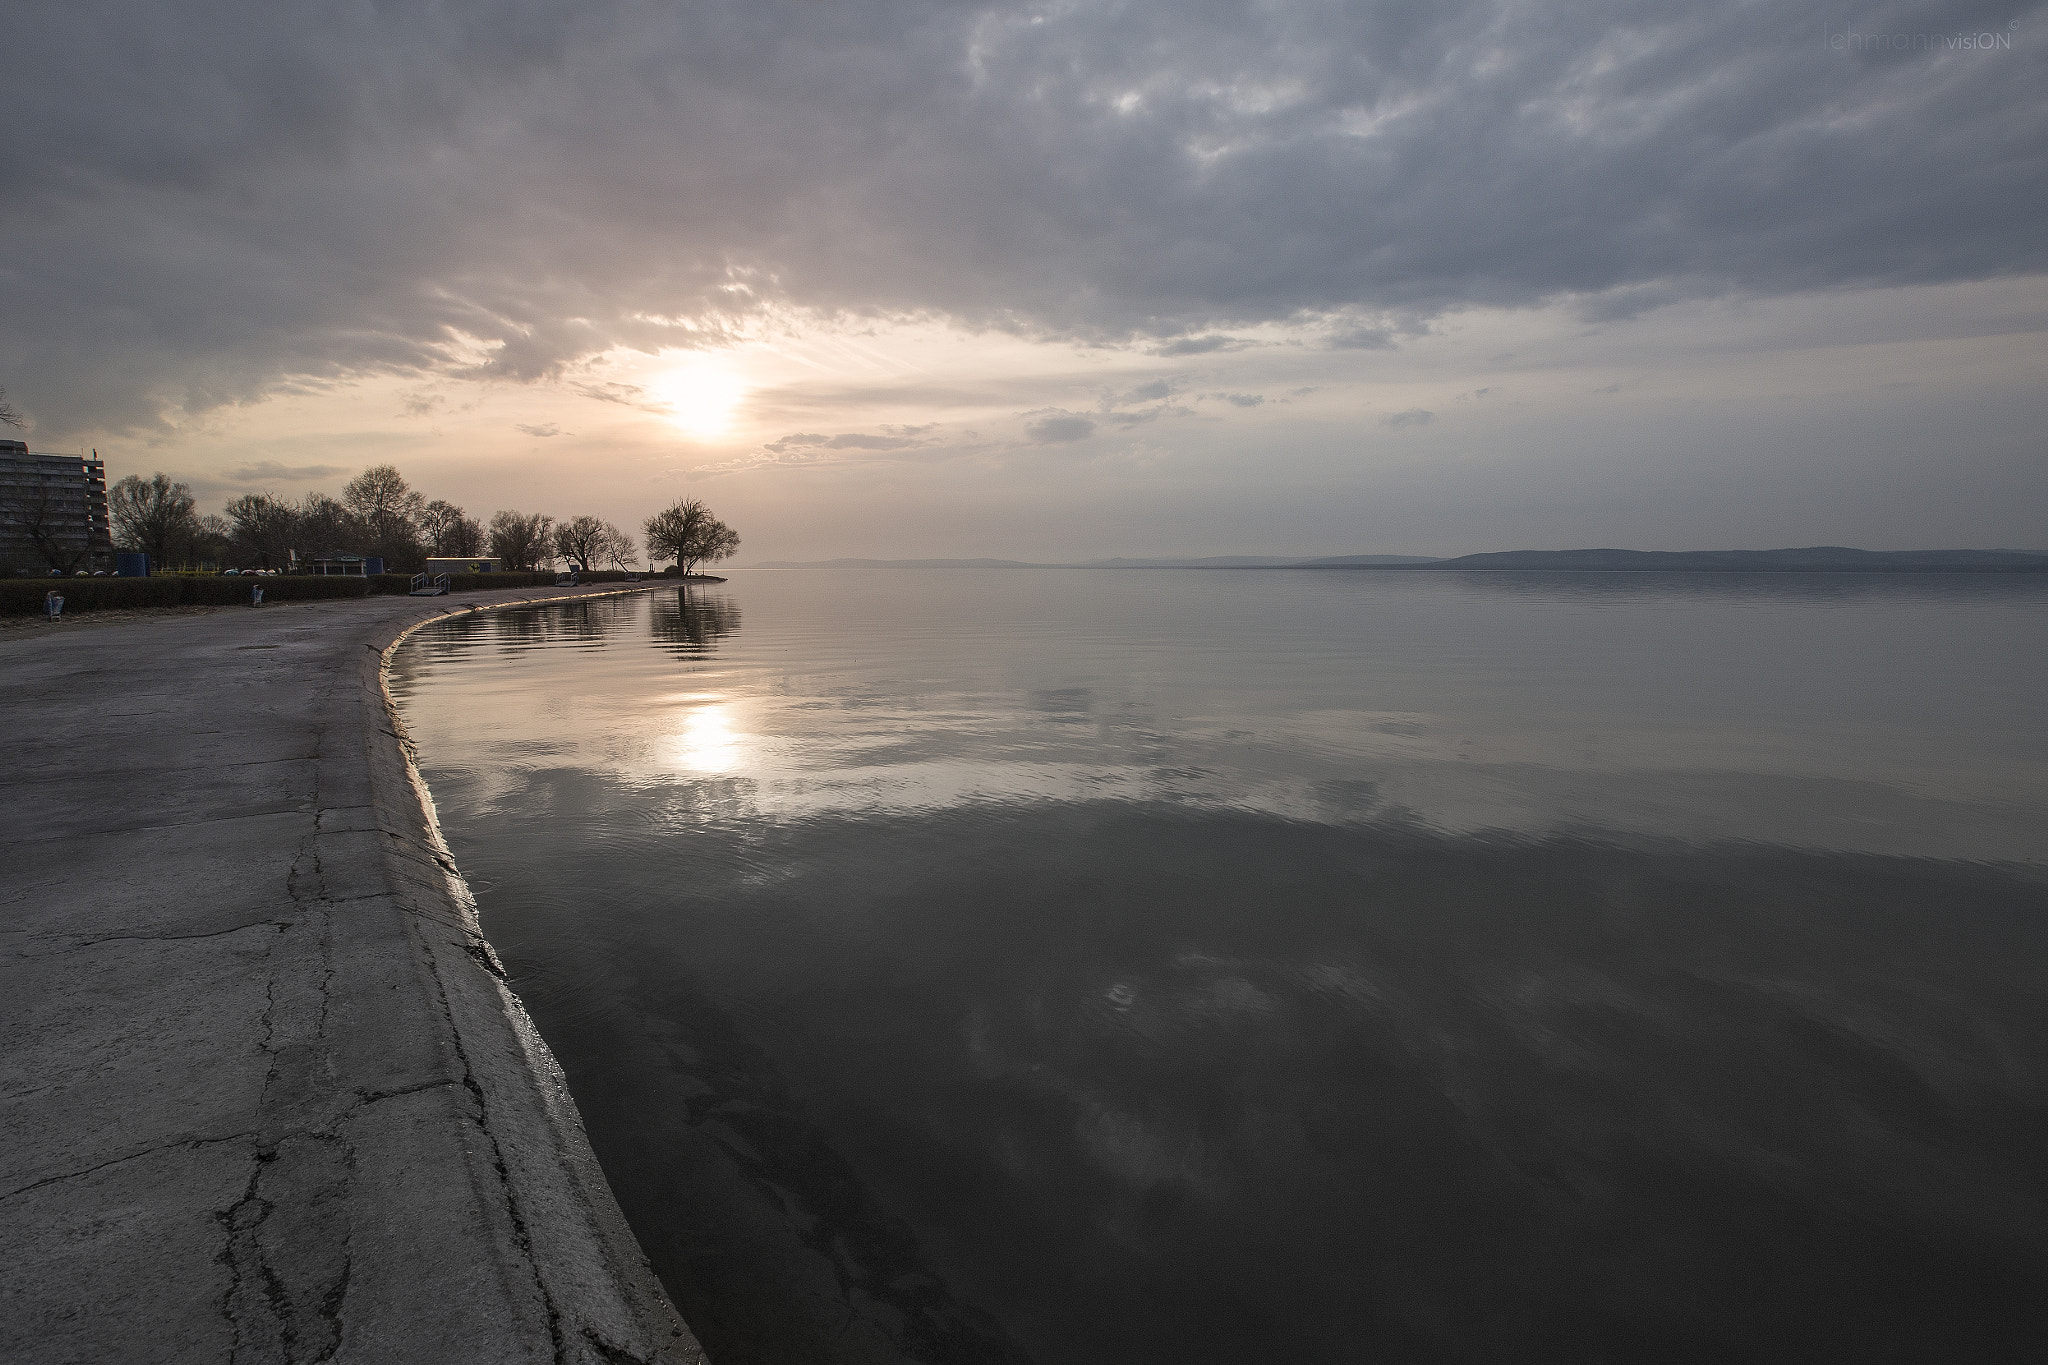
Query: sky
{"x": 1054, "y": 281}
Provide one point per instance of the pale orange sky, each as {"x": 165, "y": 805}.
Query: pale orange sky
{"x": 1800, "y": 420}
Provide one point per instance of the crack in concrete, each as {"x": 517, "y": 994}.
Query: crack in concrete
{"x": 193, "y": 1143}
{"x": 226, "y": 1257}
{"x": 286, "y": 1247}
{"x": 280, "y": 924}
{"x": 368, "y": 1097}
{"x": 522, "y": 1236}
{"x": 284, "y": 1213}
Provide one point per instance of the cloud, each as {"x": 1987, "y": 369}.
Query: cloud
{"x": 270, "y": 471}
{"x": 761, "y": 459}
{"x": 890, "y": 438}
{"x": 1413, "y": 417}
{"x": 811, "y": 448}
{"x": 542, "y": 429}
{"x": 1151, "y": 392}
{"x": 497, "y": 190}
{"x": 1200, "y": 345}
{"x": 1241, "y": 400}
{"x": 1363, "y": 339}
{"x": 1059, "y": 428}
{"x": 420, "y": 404}
{"x": 612, "y": 391}
{"x": 1147, "y": 402}
{"x": 860, "y": 440}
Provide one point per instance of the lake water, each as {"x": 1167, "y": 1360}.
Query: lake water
{"x": 1195, "y": 966}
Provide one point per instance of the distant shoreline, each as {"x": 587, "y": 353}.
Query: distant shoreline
{"x": 1817, "y": 559}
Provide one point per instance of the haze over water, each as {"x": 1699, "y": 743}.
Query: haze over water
{"x": 1170, "y": 965}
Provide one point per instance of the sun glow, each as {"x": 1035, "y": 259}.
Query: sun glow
{"x": 707, "y": 743}
{"x": 701, "y": 394}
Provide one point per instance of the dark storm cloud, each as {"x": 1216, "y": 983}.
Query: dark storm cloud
{"x": 198, "y": 200}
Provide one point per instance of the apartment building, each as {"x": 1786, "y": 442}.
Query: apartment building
{"x": 53, "y": 511}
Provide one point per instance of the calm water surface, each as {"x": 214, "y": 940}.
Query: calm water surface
{"x": 1192, "y": 966}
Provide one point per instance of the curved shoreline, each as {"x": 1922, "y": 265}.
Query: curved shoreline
{"x": 584, "y": 1255}
{"x": 268, "y": 1096}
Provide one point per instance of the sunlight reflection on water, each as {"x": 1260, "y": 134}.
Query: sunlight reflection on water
{"x": 1098, "y": 968}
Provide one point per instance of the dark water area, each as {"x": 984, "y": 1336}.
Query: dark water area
{"x": 1187, "y": 966}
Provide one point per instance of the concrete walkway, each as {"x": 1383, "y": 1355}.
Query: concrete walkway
{"x": 264, "y": 1096}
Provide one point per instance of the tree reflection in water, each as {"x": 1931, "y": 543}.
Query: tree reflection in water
{"x": 585, "y": 623}
{"x": 695, "y": 621}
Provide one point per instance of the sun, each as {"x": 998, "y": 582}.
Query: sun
{"x": 701, "y": 394}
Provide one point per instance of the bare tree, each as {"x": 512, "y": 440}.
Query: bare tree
{"x": 390, "y": 511}
{"x": 449, "y": 532}
{"x": 687, "y": 533}
{"x": 325, "y": 526}
{"x": 522, "y": 541}
{"x": 10, "y": 415}
{"x": 211, "y": 539}
{"x": 154, "y": 516}
{"x": 263, "y": 530}
{"x": 618, "y": 548}
{"x": 580, "y": 540}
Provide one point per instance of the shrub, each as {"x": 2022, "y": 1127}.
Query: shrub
{"x": 24, "y": 596}
{"x": 303, "y": 587}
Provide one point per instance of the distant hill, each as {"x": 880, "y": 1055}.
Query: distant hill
{"x": 1835, "y": 558}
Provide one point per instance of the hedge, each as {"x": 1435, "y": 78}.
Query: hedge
{"x": 24, "y": 596}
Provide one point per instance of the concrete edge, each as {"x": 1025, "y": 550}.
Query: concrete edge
{"x": 600, "y": 1290}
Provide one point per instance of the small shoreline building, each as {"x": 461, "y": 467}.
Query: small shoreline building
{"x": 342, "y": 562}
{"x": 53, "y": 512}
{"x": 454, "y": 564}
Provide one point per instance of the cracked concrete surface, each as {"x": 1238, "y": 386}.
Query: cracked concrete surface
{"x": 265, "y": 1095}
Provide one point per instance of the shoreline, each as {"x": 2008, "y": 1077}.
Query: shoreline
{"x": 270, "y": 1096}
{"x": 571, "y": 1185}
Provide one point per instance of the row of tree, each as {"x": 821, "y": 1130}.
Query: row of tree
{"x": 379, "y": 514}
